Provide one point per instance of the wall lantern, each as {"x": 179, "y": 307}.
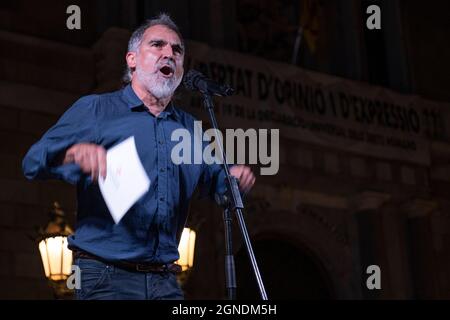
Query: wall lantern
{"x": 56, "y": 257}
{"x": 186, "y": 249}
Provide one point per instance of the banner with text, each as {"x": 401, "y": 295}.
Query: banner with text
{"x": 317, "y": 108}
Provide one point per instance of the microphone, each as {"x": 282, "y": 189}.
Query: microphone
{"x": 194, "y": 80}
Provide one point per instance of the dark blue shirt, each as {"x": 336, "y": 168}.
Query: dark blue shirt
{"x": 151, "y": 229}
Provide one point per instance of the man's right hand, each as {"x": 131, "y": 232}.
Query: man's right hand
{"x": 90, "y": 157}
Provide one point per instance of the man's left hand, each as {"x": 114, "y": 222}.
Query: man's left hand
{"x": 245, "y": 176}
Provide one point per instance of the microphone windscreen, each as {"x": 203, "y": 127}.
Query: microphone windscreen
{"x": 189, "y": 79}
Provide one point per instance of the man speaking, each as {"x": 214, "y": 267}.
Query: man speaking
{"x": 133, "y": 259}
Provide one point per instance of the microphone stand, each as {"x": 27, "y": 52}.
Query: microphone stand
{"x": 232, "y": 201}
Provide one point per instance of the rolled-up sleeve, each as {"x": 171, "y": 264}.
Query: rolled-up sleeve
{"x": 76, "y": 125}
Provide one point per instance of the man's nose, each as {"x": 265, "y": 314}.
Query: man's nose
{"x": 167, "y": 51}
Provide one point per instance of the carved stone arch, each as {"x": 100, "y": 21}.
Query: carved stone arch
{"x": 313, "y": 238}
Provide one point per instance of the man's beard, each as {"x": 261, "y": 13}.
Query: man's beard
{"x": 159, "y": 86}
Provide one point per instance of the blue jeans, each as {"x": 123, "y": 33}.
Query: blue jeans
{"x": 101, "y": 281}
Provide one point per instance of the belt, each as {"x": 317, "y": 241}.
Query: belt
{"x": 133, "y": 266}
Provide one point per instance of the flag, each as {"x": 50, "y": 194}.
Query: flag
{"x": 309, "y": 20}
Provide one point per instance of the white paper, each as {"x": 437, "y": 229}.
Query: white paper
{"x": 126, "y": 180}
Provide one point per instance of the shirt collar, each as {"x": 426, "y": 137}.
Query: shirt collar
{"x": 133, "y": 101}
{"x": 172, "y": 111}
{"x": 131, "y": 98}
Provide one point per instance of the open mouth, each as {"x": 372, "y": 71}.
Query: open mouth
{"x": 167, "y": 71}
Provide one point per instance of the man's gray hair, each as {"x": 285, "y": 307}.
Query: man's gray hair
{"x": 136, "y": 38}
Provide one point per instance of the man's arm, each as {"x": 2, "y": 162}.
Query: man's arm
{"x": 90, "y": 157}
{"x": 50, "y": 156}
{"x": 213, "y": 179}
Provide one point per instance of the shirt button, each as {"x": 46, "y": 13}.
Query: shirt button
{"x": 161, "y": 199}
{"x": 162, "y": 169}
{"x": 161, "y": 142}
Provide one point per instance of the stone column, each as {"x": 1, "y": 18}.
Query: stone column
{"x": 421, "y": 251}
{"x": 365, "y": 236}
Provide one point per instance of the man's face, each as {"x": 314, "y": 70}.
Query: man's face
{"x": 159, "y": 61}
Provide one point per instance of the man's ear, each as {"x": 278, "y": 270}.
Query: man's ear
{"x": 131, "y": 59}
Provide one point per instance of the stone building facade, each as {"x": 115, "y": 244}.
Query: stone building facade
{"x": 316, "y": 226}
